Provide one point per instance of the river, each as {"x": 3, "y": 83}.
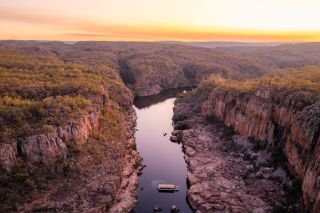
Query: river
{"x": 163, "y": 159}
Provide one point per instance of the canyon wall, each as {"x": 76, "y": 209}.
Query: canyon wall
{"x": 53, "y": 145}
{"x": 284, "y": 119}
{"x": 67, "y": 135}
{"x": 89, "y": 171}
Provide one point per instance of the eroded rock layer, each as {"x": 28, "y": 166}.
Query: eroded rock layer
{"x": 67, "y": 132}
{"x": 288, "y": 120}
{"x": 81, "y": 172}
{"x": 228, "y": 172}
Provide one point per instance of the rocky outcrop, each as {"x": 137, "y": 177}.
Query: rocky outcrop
{"x": 226, "y": 171}
{"x": 93, "y": 176}
{"x": 54, "y": 145}
{"x": 49, "y": 147}
{"x": 95, "y": 187}
{"x": 45, "y": 147}
{"x": 148, "y": 75}
{"x": 126, "y": 197}
{"x": 8, "y": 154}
{"x": 286, "y": 120}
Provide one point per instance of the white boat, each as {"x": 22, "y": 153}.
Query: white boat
{"x": 167, "y": 187}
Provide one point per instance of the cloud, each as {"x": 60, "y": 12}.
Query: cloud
{"x": 81, "y": 28}
{"x": 93, "y": 35}
{"x": 19, "y": 16}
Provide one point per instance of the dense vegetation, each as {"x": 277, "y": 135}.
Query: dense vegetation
{"x": 304, "y": 78}
{"x": 39, "y": 91}
{"x": 148, "y": 68}
{"x": 43, "y": 86}
{"x": 286, "y": 55}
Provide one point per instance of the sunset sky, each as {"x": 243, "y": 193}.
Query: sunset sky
{"x": 153, "y": 20}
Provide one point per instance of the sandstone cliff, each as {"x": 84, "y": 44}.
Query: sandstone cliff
{"x": 228, "y": 172}
{"x": 288, "y": 120}
{"x": 67, "y": 138}
{"x": 76, "y": 170}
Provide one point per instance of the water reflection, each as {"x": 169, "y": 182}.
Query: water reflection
{"x": 163, "y": 159}
{"x": 146, "y": 101}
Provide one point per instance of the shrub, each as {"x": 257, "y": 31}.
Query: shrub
{"x": 178, "y": 117}
{"x": 39, "y": 91}
{"x": 305, "y": 78}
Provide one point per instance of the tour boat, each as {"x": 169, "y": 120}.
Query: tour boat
{"x": 167, "y": 187}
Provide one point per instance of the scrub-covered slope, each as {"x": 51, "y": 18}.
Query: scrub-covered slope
{"x": 66, "y": 133}
{"x": 148, "y": 68}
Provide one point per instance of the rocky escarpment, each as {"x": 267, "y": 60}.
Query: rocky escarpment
{"x": 72, "y": 168}
{"x": 149, "y": 68}
{"x": 286, "y": 120}
{"x": 126, "y": 197}
{"x": 67, "y": 130}
{"x": 48, "y": 147}
{"x": 228, "y": 172}
{"x": 149, "y": 75}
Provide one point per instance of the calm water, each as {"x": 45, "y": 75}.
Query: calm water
{"x": 163, "y": 159}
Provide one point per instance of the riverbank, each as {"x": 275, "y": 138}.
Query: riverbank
{"x": 126, "y": 197}
{"x": 227, "y": 172}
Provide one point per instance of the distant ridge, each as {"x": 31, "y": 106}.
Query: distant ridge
{"x": 214, "y": 44}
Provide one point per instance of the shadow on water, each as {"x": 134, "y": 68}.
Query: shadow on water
{"x": 145, "y": 101}
{"x": 164, "y": 160}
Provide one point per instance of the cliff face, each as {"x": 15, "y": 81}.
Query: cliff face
{"x": 151, "y": 68}
{"x": 49, "y": 147}
{"x": 96, "y": 172}
{"x": 86, "y": 164}
{"x": 149, "y": 75}
{"x": 228, "y": 172}
{"x": 287, "y": 120}
{"x": 66, "y": 136}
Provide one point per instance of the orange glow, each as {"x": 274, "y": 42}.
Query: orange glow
{"x": 145, "y": 20}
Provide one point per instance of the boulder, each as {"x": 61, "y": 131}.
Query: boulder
{"x": 174, "y": 209}
{"x": 8, "y": 154}
{"x": 157, "y": 208}
{"x": 173, "y": 138}
{"x": 44, "y": 147}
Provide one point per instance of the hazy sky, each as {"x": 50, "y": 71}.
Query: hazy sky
{"x": 245, "y": 20}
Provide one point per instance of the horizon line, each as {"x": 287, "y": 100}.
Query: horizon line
{"x": 156, "y": 41}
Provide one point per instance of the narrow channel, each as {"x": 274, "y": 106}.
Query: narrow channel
{"x": 163, "y": 159}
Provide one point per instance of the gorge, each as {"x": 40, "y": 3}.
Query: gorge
{"x": 73, "y": 147}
